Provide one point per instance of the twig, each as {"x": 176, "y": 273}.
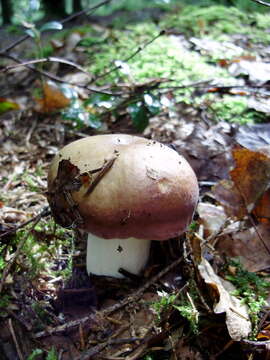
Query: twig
{"x": 106, "y": 167}
{"x": 48, "y": 59}
{"x": 86, "y": 355}
{"x": 12, "y": 332}
{"x": 139, "y": 49}
{"x": 44, "y": 212}
{"x": 85, "y": 11}
{"x": 206, "y": 84}
{"x": 67, "y": 19}
{"x": 56, "y": 78}
{"x": 19, "y": 248}
{"x": 261, "y": 2}
{"x": 127, "y": 300}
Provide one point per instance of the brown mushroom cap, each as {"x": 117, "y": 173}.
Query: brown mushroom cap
{"x": 150, "y": 191}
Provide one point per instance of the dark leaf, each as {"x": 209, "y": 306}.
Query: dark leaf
{"x": 139, "y": 115}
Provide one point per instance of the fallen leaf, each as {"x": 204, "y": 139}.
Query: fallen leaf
{"x": 251, "y": 175}
{"x": 237, "y": 318}
{"x": 254, "y": 136}
{"x": 249, "y": 245}
{"x": 53, "y": 99}
{"x": 213, "y": 217}
{"x": 250, "y": 180}
{"x": 7, "y": 105}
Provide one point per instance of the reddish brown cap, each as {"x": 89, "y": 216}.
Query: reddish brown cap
{"x": 147, "y": 191}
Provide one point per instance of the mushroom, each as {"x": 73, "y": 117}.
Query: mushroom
{"x": 124, "y": 191}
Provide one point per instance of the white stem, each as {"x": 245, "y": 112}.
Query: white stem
{"x": 105, "y": 257}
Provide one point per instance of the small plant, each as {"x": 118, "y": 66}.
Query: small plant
{"x": 165, "y": 302}
{"x": 184, "y": 303}
{"x": 189, "y": 312}
{"x": 51, "y": 355}
{"x": 251, "y": 288}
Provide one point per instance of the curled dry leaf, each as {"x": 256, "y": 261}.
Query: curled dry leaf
{"x": 53, "y": 99}
{"x": 237, "y": 318}
{"x": 212, "y": 217}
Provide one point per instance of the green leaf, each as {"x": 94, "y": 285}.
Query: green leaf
{"x": 52, "y": 355}
{"x": 34, "y": 354}
{"x": 7, "y": 106}
{"x": 80, "y": 117}
{"x": 153, "y": 104}
{"x": 94, "y": 121}
{"x": 33, "y": 33}
{"x": 75, "y": 114}
{"x": 34, "y": 5}
{"x": 100, "y": 100}
{"x": 139, "y": 115}
{"x": 52, "y": 25}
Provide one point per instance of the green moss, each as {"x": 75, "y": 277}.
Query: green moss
{"x": 253, "y": 289}
{"x": 218, "y": 20}
{"x": 170, "y": 57}
{"x": 165, "y": 58}
{"x": 232, "y": 109}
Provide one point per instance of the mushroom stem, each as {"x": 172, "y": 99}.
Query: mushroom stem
{"x": 106, "y": 257}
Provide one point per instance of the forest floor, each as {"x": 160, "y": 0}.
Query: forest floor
{"x": 200, "y": 86}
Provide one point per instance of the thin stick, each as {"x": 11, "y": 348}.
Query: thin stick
{"x": 261, "y": 2}
{"x": 88, "y": 354}
{"x": 12, "y": 332}
{"x": 56, "y": 78}
{"x": 127, "y": 300}
{"x": 100, "y": 175}
{"x": 139, "y": 49}
{"x": 48, "y": 59}
{"x": 44, "y": 212}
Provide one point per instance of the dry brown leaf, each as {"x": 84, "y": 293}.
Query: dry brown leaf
{"x": 237, "y": 318}
{"x": 248, "y": 247}
{"x": 251, "y": 175}
{"x": 250, "y": 180}
{"x": 53, "y": 99}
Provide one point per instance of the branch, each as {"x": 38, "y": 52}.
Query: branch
{"x": 139, "y": 49}
{"x": 56, "y": 78}
{"x": 42, "y": 60}
{"x": 261, "y": 2}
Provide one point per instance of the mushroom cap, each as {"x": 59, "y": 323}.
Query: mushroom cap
{"x": 149, "y": 192}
